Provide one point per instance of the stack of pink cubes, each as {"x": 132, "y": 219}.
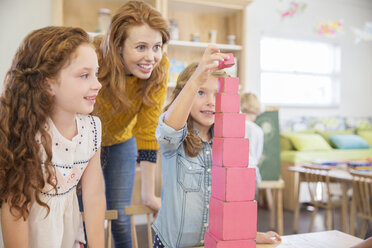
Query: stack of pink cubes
{"x": 232, "y": 208}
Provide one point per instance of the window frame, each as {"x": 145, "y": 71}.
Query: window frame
{"x": 334, "y": 76}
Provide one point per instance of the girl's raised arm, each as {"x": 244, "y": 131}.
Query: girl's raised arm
{"x": 15, "y": 231}
{"x": 179, "y": 111}
{"x": 94, "y": 201}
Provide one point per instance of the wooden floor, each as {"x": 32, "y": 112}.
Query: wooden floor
{"x": 264, "y": 220}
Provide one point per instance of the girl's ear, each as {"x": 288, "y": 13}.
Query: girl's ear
{"x": 49, "y": 83}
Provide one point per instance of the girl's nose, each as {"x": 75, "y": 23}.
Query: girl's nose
{"x": 97, "y": 84}
{"x": 211, "y": 100}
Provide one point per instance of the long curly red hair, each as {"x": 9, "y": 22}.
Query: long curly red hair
{"x": 111, "y": 71}
{"x": 25, "y": 106}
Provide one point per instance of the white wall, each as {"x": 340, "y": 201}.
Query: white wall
{"x": 356, "y": 59}
{"x": 17, "y": 19}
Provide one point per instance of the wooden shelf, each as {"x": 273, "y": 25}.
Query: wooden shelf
{"x": 202, "y": 45}
{"x": 227, "y": 17}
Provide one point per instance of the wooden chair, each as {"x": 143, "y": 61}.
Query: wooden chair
{"x": 137, "y": 208}
{"x": 110, "y": 215}
{"x": 140, "y": 209}
{"x": 274, "y": 191}
{"x": 318, "y": 182}
{"x": 361, "y": 205}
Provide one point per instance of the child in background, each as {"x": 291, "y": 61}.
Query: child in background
{"x": 185, "y": 133}
{"x": 251, "y": 107}
{"x": 49, "y": 143}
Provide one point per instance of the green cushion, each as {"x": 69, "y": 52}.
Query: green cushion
{"x": 348, "y": 141}
{"x": 309, "y": 142}
{"x": 367, "y": 135}
{"x": 326, "y": 134}
{"x": 285, "y": 142}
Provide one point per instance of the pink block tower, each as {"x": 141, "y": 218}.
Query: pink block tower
{"x": 232, "y": 208}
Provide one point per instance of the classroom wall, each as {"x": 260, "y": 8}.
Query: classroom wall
{"x": 356, "y": 59}
{"x": 17, "y": 19}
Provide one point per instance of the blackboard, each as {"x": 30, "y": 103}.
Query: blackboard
{"x": 269, "y": 164}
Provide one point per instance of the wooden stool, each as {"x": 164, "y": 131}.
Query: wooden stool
{"x": 140, "y": 209}
{"x": 137, "y": 208}
{"x": 110, "y": 215}
{"x": 273, "y": 188}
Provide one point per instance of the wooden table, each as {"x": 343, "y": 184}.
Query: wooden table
{"x": 336, "y": 175}
{"x": 326, "y": 239}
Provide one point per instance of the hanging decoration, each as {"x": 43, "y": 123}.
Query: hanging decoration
{"x": 329, "y": 29}
{"x": 363, "y": 34}
{"x": 294, "y": 8}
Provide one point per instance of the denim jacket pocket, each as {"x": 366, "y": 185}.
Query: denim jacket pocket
{"x": 189, "y": 174}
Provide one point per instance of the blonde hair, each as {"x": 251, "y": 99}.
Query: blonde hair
{"x": 250, "y": 104}
{"x": 192, "y": 143}
{"x": 111, "y": 72}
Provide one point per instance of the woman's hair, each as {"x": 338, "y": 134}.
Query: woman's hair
{"x": 192, "y": 143}
{"x": 249, "y": 103}
{"x": 25, "y": 106}
{"x": 111, "y": 72}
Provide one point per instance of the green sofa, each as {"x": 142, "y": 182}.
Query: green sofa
{"x": 307, "y": 139}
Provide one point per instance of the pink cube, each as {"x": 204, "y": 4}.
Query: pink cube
{"x": 227, "y": 62}
{"x": 213, "y": 242}
{"x": 233, "y": 184}
{"x": 229, "y": 125}
{"x": 232, "y": 220}
{"x": 230, "y": 152}
{"x": 229, "y": 103}
{"x": 228, "y": 84}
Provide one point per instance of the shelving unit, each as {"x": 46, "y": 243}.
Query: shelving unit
{"x": 192, "y": 16}
{"x": 201, "y": 16}
{"x": 203, "y": 45}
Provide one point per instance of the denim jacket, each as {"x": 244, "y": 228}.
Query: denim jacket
{"x": 183, "y": 217}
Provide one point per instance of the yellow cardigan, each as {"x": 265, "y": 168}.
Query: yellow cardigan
{"x": 141, "y": 120}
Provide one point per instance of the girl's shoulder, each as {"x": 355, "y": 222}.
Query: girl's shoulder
{"x": 90, "y": 130}
{"x": 90, "y": 120}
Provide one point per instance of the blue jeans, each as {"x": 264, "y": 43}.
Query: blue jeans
{"x": 119, "y": 169}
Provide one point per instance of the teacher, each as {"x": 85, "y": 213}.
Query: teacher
{"x": 133, "y": 73}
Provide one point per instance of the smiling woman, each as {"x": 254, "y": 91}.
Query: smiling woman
{"x": 143, "y": 51}
{"x": 134, "y": 74}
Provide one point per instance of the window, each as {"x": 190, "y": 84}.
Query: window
{"x": 299, "y": 72}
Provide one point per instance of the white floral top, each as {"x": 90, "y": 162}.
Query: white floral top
{"x": 63, "y": 226}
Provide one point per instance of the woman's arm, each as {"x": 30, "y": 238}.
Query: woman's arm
{"x": 148, "y": 171}
{"x": 15, "y": 231}
{"x": 179, "y": 111}
{"x": 94, "y": 201}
